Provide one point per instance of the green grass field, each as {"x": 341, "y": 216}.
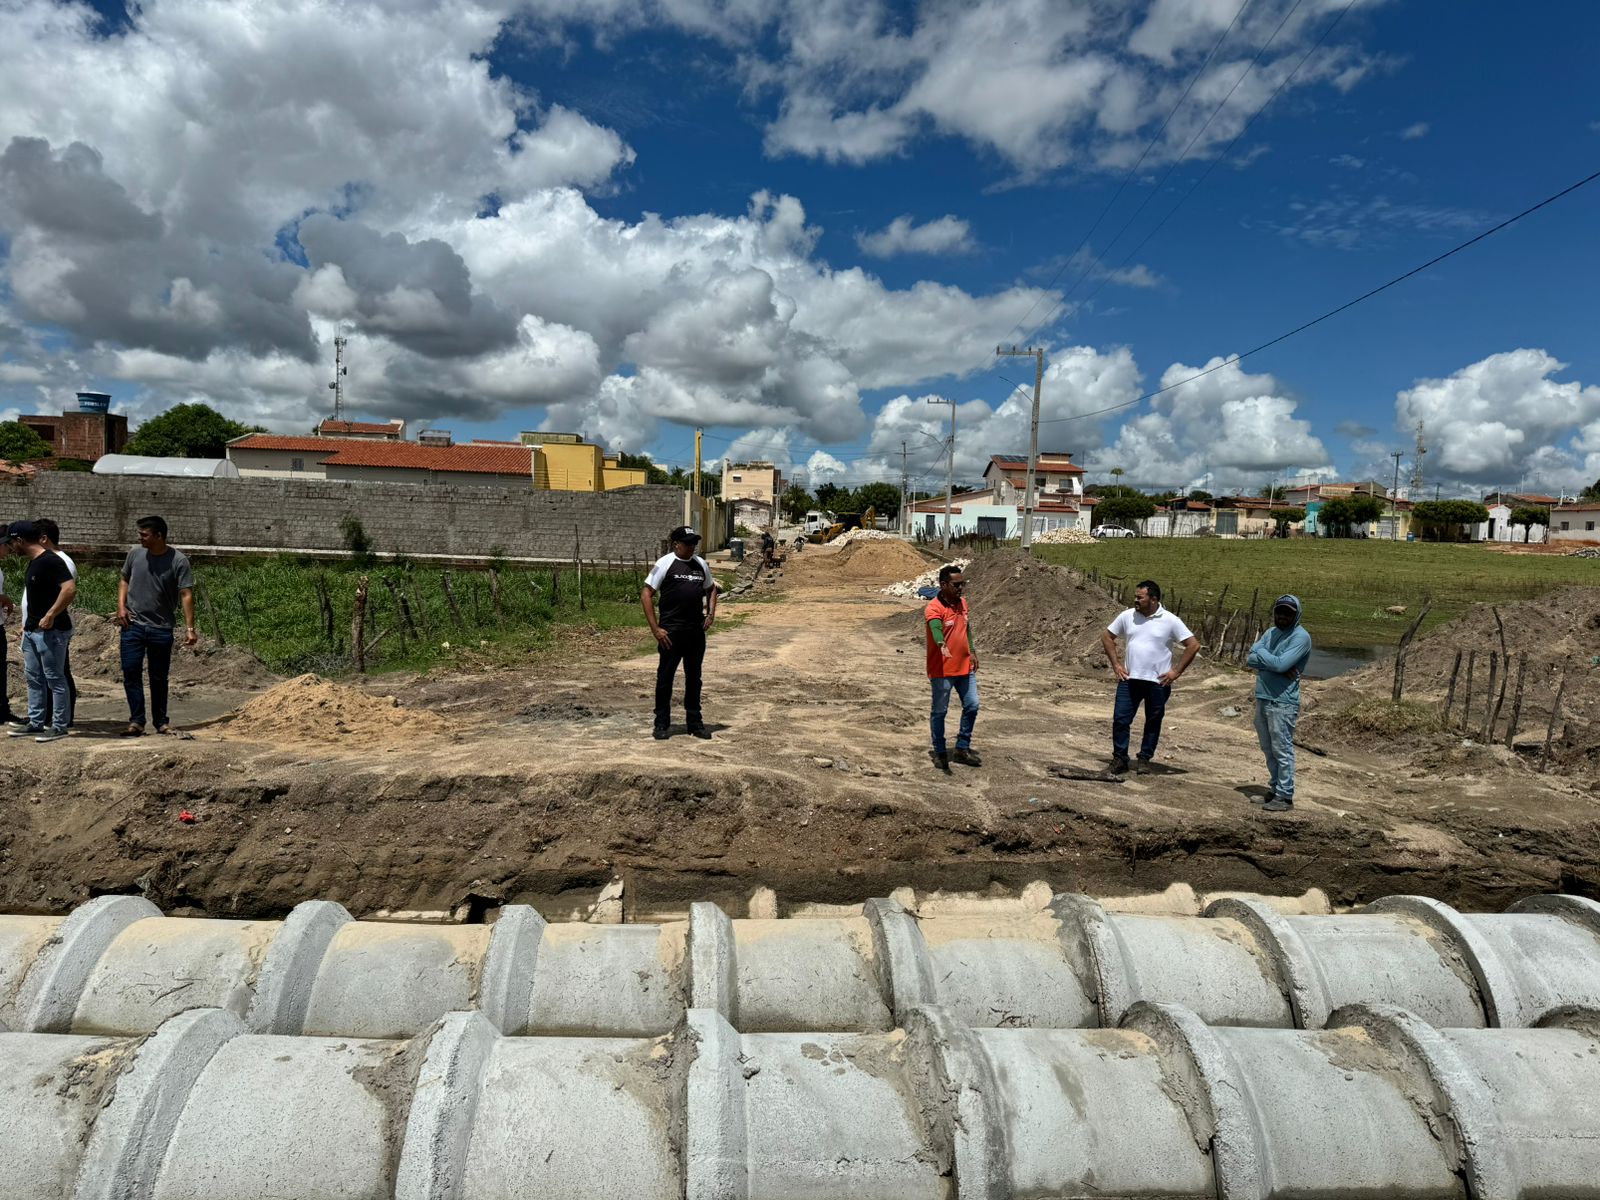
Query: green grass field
{"x": 1345, "y": 585}
{"x": 273, "y": 607}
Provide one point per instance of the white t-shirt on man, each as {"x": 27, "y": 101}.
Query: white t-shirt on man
{"x": 1150, "y": 641}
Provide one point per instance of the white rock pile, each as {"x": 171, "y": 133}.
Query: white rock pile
{"x": 908, "y": 588}
{"x": 863, "y": 535}
{"x": 1058, "y": 537}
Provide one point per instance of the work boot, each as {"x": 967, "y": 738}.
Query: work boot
{"x": 1277, "y": 804}
{"x": 970, "y": 757}
{"x": 1119, "y": 764}
{"x": 701, "y": 732}
{"x": 1141, "y": 765}
{"x": 661, "y": 733}
{"x": 941, "y": 760}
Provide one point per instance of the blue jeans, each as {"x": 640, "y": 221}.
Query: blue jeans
{"x": 44, "y": 663}
{"x": 1275, "y": 730}
{"x": 141, "y": 643}
{"x": 965, "y": 686}
{"x": 1130, "y": 694}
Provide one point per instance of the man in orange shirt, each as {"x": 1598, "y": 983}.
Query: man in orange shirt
{"x": 951, "y": 666}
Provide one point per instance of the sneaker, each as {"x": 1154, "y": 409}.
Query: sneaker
{"x": 941, "y": 760}
{"x": 1277, "y": 804}
{"x": 1141, "y": 765}
{"x": 51, "y": 735}
{"x": 970, "y": 757}
{"x": 1119, "y": 765}
{"x": 25, "y": 731}
{"x": 661, "y": 733}
{"x": 701, "y": 732}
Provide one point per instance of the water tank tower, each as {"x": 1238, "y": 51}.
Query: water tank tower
{"x": 94, "y": 402}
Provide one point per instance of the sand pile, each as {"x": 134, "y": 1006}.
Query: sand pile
{"x": 96, "y": 654}
{"x": 310, "y": 708}
{"x": 1020, "y": 605}
{"x": 877, "y": 561}
{"x": 1559, "y": 631}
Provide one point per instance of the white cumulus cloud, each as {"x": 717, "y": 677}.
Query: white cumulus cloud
{"x": 945, "y": 235}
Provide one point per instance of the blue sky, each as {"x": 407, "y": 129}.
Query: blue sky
{"x": 542, "y": 213}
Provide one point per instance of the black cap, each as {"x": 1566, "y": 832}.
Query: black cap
{"x": 22, "y": 529}
{"x": 683, "y": 533}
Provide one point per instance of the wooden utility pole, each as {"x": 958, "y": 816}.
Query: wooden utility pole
{"x": 697, "y": 434}
{"x": 1033, "y": 435}
{"x": 950, "y": 478}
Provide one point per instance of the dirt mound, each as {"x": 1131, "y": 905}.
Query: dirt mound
{"x": 310, "y": 708}
{"x": 1559, "y": 632}
{"x": 1021, "y": 605}
{"x": 96, "y": 654}
{"x": 878, "y": 562}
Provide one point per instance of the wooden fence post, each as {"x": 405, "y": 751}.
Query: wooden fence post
{"x": 1400, "y": 651}
{"x": 1466, "y": 704}
{"x": 358, "y": 625}
{"x": 494, "y": 596}
{"x": 211, "y": 611}
{"x": 1550, "y": 729}
{"x": 1516, "y": 703}
{"x": 249, "y": 633}
{"x": 1487, "y": 737}
{"x": 577, "y": 561}
{"x": 450, "y": 600}
{"x": 1450, "y": 696}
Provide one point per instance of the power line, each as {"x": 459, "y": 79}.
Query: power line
{"x": 1131, "y": 171}
{"x": 1223, "y": 157}
{"x": 1348, "y": 304}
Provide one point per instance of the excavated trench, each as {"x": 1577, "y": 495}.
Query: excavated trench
{"x": 273, "y": 832}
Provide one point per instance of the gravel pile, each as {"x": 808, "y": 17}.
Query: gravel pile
{"x": 908, "y": 588}
{"x": 864, "y": 535}
{"x": 1059, "y": 537}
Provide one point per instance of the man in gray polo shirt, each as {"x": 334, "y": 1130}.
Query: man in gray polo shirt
{"x": 155, "y": 577}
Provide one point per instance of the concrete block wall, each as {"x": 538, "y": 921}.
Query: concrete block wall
{"x": 1378, "y": 1104}
{"x": 116, "y": 966}
{"x": 284, "y": 514}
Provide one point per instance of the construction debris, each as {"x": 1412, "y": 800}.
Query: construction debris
{"x": 1065, "y": 537}
{"x": 929, "y": 578}
{"x": 865, "y": 535}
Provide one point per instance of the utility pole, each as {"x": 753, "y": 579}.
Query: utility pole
{"x": 1394, "y": 519}
{"x": 950, "y": 478}
{"x": 905, "y": 486}
{"x": 1033, "y": 436}
{"x": 339, "y": 372}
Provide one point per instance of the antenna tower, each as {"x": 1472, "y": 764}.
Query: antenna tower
{"x": 339, "y": 372}
{"x": 1416, "y": 464}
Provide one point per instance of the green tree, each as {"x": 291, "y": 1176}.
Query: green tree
{"x": 1199, "y": 495}
{"x": 1335, "y": 517}
{"x": 884, "y": 498}
{"x": 1285, "y": 517}
{"x": 1528, "y": 518}
{"x": 187, "y": 431}
{"x": 1447, "y": 520}
{"x": 1124, "y": 510}
{"x": 1367, "y": 509}
{"x": 831, "y": 496}
{"x": 18, "y": 443}
{"x": 1106, "y": 491}
{"x": 796, "y": 501}
{"x": 1591, "y": 492}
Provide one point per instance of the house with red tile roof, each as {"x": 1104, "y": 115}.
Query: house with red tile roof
{"x": 1056, "y": 476}
{"x": 1576, "y": 522}
{"x": 392, "y": 431}
{"x": 382, "y": 461}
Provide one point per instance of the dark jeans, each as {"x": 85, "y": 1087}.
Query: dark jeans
{"x": 689, "y": 648}
{"x": 1130, "y": 694}
{"x": 139, "y": 644}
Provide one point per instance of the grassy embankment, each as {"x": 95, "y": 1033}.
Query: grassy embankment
{"x": 273, "y": 607}
{"x": 1345, "y": 585}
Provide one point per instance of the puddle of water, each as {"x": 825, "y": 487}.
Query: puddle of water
{"x": 1330, "y": 661}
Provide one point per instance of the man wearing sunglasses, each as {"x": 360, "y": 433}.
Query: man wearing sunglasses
{"x": 952, "y": 666}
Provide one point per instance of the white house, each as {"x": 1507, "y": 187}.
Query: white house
{"x": 1498, "y": 528}
{"x": 1576, "y": 522}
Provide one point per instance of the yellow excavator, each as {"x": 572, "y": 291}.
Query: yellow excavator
{"x": 842, "y": 522}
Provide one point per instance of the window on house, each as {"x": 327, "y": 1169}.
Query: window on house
{"x": 738, "y": 478}
{"x": 297, "y": 464}
{"x": 1588, "y": 526}
{"x": 1564, "y": 525}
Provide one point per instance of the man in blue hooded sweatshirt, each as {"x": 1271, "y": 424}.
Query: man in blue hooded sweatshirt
{"x": 1278, "y": 657}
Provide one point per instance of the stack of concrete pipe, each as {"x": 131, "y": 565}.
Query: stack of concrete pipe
{"x": 1402, "y": 1050}
{"x": 117, "y": 966}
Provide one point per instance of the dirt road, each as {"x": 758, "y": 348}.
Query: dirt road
{"x": 541, "y": 783}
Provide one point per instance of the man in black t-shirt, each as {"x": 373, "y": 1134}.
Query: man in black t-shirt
{"x": 688, "y": 598}
{"x": 45, "y": 634}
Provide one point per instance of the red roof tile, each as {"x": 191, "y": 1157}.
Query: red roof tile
{"x": 330, "y": 426}
{"x": 1019, "y": 462}
{"x": 356, "y": 452}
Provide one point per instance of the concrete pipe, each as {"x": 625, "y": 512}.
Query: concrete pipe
{"x": 116, "y": 966}
{"x": 1378, "y": 1104}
